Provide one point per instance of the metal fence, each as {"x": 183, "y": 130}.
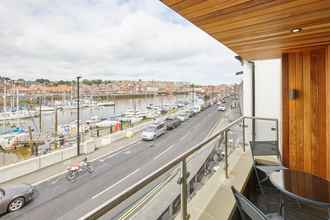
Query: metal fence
{"x": 225, "y": 134}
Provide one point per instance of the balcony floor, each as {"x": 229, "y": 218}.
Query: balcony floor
{"x": 269, "y": 202}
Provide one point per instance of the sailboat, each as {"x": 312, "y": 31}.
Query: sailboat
{"x": 106, "y": 104}
{"x": 10, "y": 138}
{"x": 15, "y": 113}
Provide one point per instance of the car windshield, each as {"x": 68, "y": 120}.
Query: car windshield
{"x": 150, "y": 129}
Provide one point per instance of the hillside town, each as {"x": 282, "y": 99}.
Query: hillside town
{"x": 106, "y": 87}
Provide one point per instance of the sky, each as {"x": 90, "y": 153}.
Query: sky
{"x": 110, "y": 40}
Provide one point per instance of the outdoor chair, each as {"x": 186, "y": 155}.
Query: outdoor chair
{"x": 266, "y": 158}
{"x": 248, "y": 209}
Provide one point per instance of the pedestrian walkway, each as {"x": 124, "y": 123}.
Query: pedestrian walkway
{"x": 58, "y": 169}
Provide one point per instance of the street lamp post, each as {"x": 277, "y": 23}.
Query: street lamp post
{"x": 78, "y": 118}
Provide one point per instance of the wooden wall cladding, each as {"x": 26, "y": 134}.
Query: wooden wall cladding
{"x": 306, "y": 130}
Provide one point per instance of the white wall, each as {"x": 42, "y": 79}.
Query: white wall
{"x": 247, "y": 89}
{"x": 247, "y": 98}
{"x": 268, "y": 80}
{"x": 268, "y": 95}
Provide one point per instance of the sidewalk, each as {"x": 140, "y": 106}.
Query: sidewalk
{"x": 58, "y": 169}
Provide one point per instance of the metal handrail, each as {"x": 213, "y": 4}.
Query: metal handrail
{"x": 119, "y": 198}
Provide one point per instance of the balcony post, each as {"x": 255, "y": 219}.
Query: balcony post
{"x": 243, "y": 133}
{"x": 226, "y": 153}
{"x": 277, "y": 133}
{"x": 184, "y": 191}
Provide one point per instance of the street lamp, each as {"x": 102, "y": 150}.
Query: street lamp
{"x": 78, "y": 119}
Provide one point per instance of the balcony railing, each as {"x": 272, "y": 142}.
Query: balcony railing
{"x": 223, "y": 134}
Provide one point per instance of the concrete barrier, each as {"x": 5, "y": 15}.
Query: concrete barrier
{"x": 50, "y": 159}
{"x": 88, "y": 146}
{"x": 28, "y": 166}
{"x": 68, "y": 153}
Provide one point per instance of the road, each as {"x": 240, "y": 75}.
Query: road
{"x": 60, "y": 199}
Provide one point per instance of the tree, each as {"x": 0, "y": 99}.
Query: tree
{"x": 43, "y": 81}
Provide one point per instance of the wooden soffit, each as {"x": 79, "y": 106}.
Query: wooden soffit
{"x": 259, "y": 29}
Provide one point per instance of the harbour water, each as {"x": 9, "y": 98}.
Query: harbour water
{"x": 67, "y": 116}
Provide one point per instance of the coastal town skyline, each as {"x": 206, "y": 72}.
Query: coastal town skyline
{"x": 98, "y": 86}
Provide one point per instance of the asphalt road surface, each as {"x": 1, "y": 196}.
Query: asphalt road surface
{"x": 60, "y": 199}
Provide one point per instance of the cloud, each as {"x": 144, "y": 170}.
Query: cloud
{"x": 129, "y": 39}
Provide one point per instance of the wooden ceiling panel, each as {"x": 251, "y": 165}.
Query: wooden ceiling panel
{"x": 269, "y": 17}
{"x": 259, "y": 28}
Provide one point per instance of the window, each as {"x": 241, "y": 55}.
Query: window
{"x": 2, "y": 193}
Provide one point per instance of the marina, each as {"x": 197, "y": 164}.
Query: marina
{"x": 16, "y": 139}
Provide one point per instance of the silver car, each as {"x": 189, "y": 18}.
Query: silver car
{"x": 13, "y": 198}
{"x": 153, "y": 131}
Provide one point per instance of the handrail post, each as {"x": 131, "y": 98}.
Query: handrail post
{"x": 277, "y": 133}
{"x": 278, "y": 141}
{"x": 243, "y": 133}
{"x": 226, "y": 153}
{"x": 184, "y": 190}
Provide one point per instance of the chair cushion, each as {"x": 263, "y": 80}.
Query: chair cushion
{"x": 274, "y": 216}
{"x": 267, "y": 160}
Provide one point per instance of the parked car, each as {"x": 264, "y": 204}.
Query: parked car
{"x": 196, "y": 109}
{"x": 182, "y": 116}
{"x": 172, "y": 122}
{"x": 13, "y": 198}
{"x": 164, "y": 110}
{"x": 221, "y": 108}
{"x": 153, "y": 131}
{"x": 190, "y": 113}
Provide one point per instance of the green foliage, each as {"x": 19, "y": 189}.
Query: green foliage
{"x": 43, "y": 81}
{"x": 64, "y": 82}
{"x": 93, "y": 82}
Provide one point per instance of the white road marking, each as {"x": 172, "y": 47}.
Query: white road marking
{"x": 104, "y": 156}
{"x": 112, "y": 155}
{"x": 55, "y": 181}
{"x": 183, "y": 137}
{"x": 117, "y": 183}
{"x": 159, "y": 155}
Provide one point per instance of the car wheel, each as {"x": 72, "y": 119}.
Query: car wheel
{"x": 16, "y": 204}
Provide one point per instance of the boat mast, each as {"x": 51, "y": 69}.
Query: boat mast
{"x": 5, "y": 97}
{"x": 17, "y": 100}
{"x": 12, "y": 97}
